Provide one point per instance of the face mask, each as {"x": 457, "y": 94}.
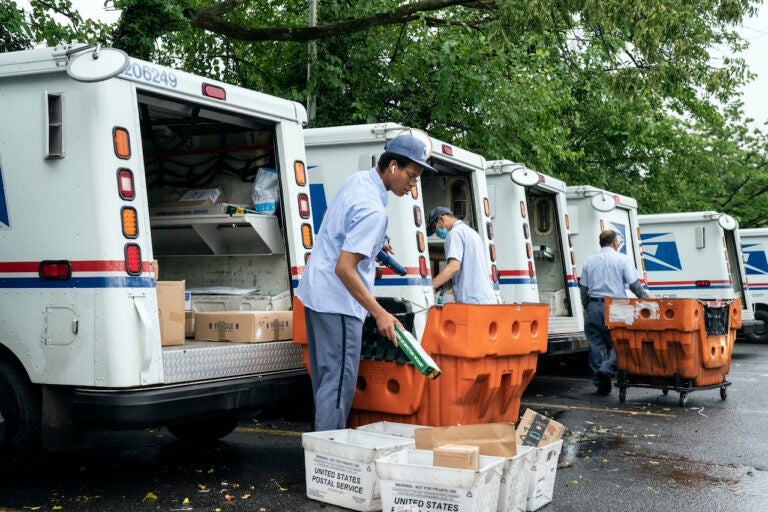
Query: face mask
{"x": 441, "y": 233}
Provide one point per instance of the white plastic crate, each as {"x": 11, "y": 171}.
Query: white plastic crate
{"x": 391, "y": 428}
{"x": 541, "y": 482}
{"x": 409, "y": 481}
{"x": 513, "y": 492}
{"x": 340, "y": 468}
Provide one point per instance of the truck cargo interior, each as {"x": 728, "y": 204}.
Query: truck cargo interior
{"x": 228, "y": 262}
{"x": 547, "y": 251}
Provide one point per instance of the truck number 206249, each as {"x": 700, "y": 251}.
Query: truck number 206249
{"x": 150, "y": 74}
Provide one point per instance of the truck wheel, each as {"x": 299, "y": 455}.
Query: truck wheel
{"x": 760, "y": 334}
{"x": 205, "y": 431}
{"x": 20, "y": 441}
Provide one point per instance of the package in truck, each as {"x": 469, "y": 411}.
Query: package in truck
{"x": 244, "y": 326}
{"x": 170, "y": 305}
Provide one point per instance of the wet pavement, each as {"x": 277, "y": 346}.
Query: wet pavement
{"x": 646, "y": 454}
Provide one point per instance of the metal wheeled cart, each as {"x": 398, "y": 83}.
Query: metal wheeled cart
{"x": 681, "y": 345}
{"x": 682, "y": 386}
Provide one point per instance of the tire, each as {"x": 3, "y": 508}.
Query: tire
{"x": 21, "y": 444}
{"x": 760, "y": 336}
{"x": 205, "y": 431}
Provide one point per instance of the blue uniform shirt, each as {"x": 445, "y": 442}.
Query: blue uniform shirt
{"x": 356, "y": 222}
{"x": 608, "y": 273}
{"x": 472, "y": 283}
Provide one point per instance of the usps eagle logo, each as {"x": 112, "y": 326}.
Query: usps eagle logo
{"x": 660, "y": 252}
{"x": 4, "y": 221}
{"x": 621, "y": 234}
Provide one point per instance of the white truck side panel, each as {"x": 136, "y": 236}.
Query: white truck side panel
{"x": 685, "y": 250}
{"x": 754, "y": 243}
{"x": 586, "y": 224}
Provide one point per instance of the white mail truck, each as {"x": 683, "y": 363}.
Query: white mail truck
{"x": 91, "y": 141}
{"x": 696, "y": 255}
{"x": 754, "y": 246}
{"x": 592, "y": 210}
{"x": 333, "y": 153}
{"x": 535, "y": 254}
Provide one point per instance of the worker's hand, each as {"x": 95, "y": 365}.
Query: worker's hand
{"x": 387, "y": 248}
{"x": 385, "y": 323}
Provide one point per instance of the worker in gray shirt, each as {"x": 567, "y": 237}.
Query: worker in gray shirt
{"x": 604, "y": 274}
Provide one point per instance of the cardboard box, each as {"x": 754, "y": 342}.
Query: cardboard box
{"x": 156, "y": 269}
{"x": 494, "y": 439}
{"x": 537, "y": 430}
{"x": 192, "y": 201}
{"x": 244, "y": 326}
{"x": 189, "y": 324}
{"x": 170, "y": 305}
{"x": 457, "y": 456}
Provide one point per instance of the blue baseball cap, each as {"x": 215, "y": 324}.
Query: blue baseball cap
{"x": 411, "y": 148}
{"x": 433, "y": 215}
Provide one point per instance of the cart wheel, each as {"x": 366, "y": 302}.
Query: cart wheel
{"x": 665, "y": 392}
{"x": 723, "y": 393}
{"x": 683, "y": 398}
{"x": 622, "y": 394}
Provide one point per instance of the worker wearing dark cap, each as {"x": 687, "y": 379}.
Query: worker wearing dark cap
{"x": 337, "y": 281}
{"x": 466, "y": 261}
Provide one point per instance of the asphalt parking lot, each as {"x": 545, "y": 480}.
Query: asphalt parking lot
{"x": 647, "y": 453}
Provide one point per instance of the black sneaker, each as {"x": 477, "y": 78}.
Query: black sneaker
{"x": 604, "y": 388}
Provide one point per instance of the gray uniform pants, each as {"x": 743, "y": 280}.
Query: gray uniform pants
{"x": 334, "y": 342}
{"x": 602, "y": 357}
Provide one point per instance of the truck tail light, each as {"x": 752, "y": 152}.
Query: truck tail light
{"x": 602, "y": 225}
{"x": 531, "y": 273}
{"x": 567, "y": 222}
{"x": 417, "y": 216}
{"x": 486, "y": 207}
{"x": 489, "y": 229}
{"x": 573, "y": 258}
{"x": 55, "y": 270}
{"x": 133, "y": 259}
{"x": 494, "y": 274}
{"x": 423, "y": 266}
{"x": 122, "y": 142}
{"x": 214, "y": 91}
{"x": 420, "y": 241}
{"x": 129, "y": 222}
{"x": 414, "y": 191}
{"x": 522, "y": 209}
{"x": 702, "y": 283}
{"x": 528, "y": 251}
{"x": 125, "y": 184}
{"x": 306, "y": 236}
{"x": 300, "y": 172}
{"x": 526, "y": 233}
{"x": 304, "y": 206}
{"x": 492, "y": 252}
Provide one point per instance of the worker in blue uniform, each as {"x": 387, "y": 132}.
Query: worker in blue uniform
{"x": 338, "y": 279}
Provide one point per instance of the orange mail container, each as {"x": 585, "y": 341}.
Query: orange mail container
{"x": 487, "y": 355}
{"x": 664, "y": 338}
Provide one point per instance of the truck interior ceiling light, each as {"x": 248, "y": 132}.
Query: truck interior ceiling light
{"x": 122, "y": 143}
{"x": 125, "y": 184}
{"x": 214, "y": 91}
{"x": 300, "y": 172}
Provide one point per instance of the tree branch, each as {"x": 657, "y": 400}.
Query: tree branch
{"x": 210, "y": 18}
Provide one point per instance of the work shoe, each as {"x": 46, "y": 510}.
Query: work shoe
{"x": 604, "y": 387}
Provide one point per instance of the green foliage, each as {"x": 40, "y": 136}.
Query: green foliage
{"x": 619, "y": 95}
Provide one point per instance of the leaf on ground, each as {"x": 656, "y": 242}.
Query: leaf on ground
{"x": 279, "y": 487}
{"x": 229, "y": 497}
{"x": 26, "y": 507}
{"x": 185, "y": 502}
{"x": 245, "y": 496}
{"x": 149, "y": 496}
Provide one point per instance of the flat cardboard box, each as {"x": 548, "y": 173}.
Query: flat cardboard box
{"x": 494, "y": 439}
{"x": 537, "y": 430}
{"x": 189, "y": 324}
{"x": 193, "y": 197}
{"x": 244, "y": 326}
{"x": 457, "y": 456}
{"x": 170, "y": 305}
